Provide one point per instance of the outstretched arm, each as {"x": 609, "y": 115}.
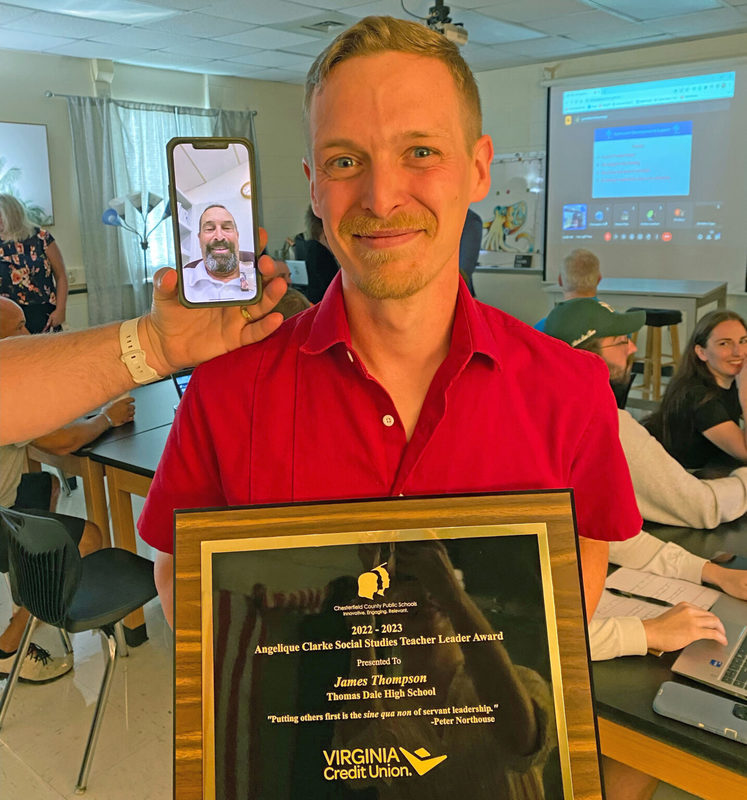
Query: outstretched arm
{"x": 82, "y": 370}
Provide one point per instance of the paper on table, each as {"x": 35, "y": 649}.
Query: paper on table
{"x": 611, "y": 605}
{"x": 673, "y": 590}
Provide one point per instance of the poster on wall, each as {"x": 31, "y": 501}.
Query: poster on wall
{"x": 512, "y": 212}
{"x": 393, "y": 653}
{"x": 24, "y": 169}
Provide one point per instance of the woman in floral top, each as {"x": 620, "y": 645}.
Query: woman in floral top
{"x": 32, "y": 272}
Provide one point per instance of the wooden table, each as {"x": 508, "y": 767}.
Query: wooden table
{"x": 154, "y": 410}
{"x": 696, "y": 761}
{"x": 686, "y": 296}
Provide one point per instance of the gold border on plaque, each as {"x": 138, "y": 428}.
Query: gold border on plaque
{"x": 546, "y": 515}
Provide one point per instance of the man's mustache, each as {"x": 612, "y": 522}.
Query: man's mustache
{"x": 363, "y": 225}
{"x": 219, "y": 243}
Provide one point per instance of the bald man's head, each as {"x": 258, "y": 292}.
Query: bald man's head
{"x": 12, "y": 320}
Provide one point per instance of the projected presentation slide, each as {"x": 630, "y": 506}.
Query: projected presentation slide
{"x": 658, "y": 165}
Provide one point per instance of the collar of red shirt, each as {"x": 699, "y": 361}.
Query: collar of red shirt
{"x": 471, "y": 333}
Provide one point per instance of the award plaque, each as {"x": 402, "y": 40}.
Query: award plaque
{"x": 404, "y": 649}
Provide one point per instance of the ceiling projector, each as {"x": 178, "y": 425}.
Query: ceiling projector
{"x": 439, "y": 20}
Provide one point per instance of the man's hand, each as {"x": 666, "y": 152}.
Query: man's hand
{"x": 174, "y": 337}
{"x": 681, "y": 625}
{"x": 120, "y": 411}
{"x": 731, "y": 581}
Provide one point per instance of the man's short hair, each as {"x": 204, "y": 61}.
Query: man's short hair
{"x": 580, "y": 271}
{"x": 374, "y": 35}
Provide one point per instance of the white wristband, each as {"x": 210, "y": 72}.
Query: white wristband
{"x": 133, "y": 355}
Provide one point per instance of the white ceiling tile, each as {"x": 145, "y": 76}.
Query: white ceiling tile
{"x": 151, "y": 58}
{"x": 122, "y": 11}
{"x": 268, "y": 38}
{"x": 240, "y": 70}
{"x": 34, "y": 41}
{"x": 719, "y": 20}
{"x": 456, "y": 7}
{"x": 341, "y": 5}
{"x": 213, "y": 48}
{"x": 150, "y": 40}
{"x": 549, "y": 47}
{"x": 194, "y": 23}
{"x": 648, "y": 9}
{"x": 529, "y": 10}
{"x": 391, "y": 8}
{"x": 309, "y": 49}
{"x": 11, "y": 13}
{"x": 276, "y": 59}
{"x": 258, "y": 13}
{"x": 182, "y": 5}
{"x": 85, "y": 49}
{"x": 486, "y": 30}
{"x": 60, "y": 25}
{"x": 595, "y": 27}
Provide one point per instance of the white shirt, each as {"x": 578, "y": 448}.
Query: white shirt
{"x": 201, "y": 287}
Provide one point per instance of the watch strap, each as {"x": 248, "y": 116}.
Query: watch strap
{"x": 133, "y": 356}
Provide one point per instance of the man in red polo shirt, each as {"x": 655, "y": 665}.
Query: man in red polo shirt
{"x": 398, "y": 382}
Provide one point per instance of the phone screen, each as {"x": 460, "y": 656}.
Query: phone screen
{"x": 214, "y": 221}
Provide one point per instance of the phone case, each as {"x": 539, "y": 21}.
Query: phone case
{"x": 179, "y": 202}
{"x": 702, "y": 709}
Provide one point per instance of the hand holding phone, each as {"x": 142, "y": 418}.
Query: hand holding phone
{"x": 213, "y": 203}
{"x": 174, "y": 337}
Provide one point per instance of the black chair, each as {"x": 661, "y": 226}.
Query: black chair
{"x": 57, "y": 586}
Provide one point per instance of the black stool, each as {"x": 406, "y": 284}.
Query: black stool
{"x": 652, "y": 362}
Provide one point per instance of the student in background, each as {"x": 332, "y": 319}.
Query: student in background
{"x": 321, "y": 265}
{"x": 579, "y": 277}
{"x": 698, "y": 421}
{"x": 666, "y": 493}
{"x": 32, "y": 272}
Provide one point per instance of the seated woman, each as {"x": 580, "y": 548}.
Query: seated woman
{"x": 698, "y": 421}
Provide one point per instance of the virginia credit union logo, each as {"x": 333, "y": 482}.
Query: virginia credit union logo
{"x": 375, "y": 581}
{"x": 378, "y": 762}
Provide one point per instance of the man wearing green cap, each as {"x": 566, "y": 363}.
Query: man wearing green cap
{"x": 667, "y": 493}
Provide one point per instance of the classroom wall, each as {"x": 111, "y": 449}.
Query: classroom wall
{"x": 515, "y": 115}
{"x": 279, "y": 134}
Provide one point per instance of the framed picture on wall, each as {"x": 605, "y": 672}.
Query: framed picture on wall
{"x": 24, "y": 168}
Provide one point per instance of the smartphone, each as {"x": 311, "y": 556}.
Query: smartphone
{"x": 705, "y": 710}
{"x": 214, "y": 213}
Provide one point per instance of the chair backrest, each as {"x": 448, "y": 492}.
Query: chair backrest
{"x": 43, "y": 564}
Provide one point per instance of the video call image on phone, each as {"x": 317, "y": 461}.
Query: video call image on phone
{"x": 214, "y": 226}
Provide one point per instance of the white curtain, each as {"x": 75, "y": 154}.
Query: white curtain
{"x": 120, "y": 148}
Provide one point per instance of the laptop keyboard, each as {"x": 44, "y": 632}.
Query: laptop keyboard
{"x": 736, "y": 671}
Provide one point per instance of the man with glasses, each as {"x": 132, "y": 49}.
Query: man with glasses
{"x": 665, "y": 491}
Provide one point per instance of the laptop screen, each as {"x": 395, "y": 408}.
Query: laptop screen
{"x": 181, "y": 379}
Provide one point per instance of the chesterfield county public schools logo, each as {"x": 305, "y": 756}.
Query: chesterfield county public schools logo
{"x": 374, "y": 582}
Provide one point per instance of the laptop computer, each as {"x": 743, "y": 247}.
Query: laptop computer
{"x": 181, "y": 379}
{"x": 723, "y": 667}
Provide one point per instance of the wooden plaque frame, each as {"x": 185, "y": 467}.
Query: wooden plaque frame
{"x": 199, "y": 533}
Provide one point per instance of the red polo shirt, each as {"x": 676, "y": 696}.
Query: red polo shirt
{"x": 298, "y": 418}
